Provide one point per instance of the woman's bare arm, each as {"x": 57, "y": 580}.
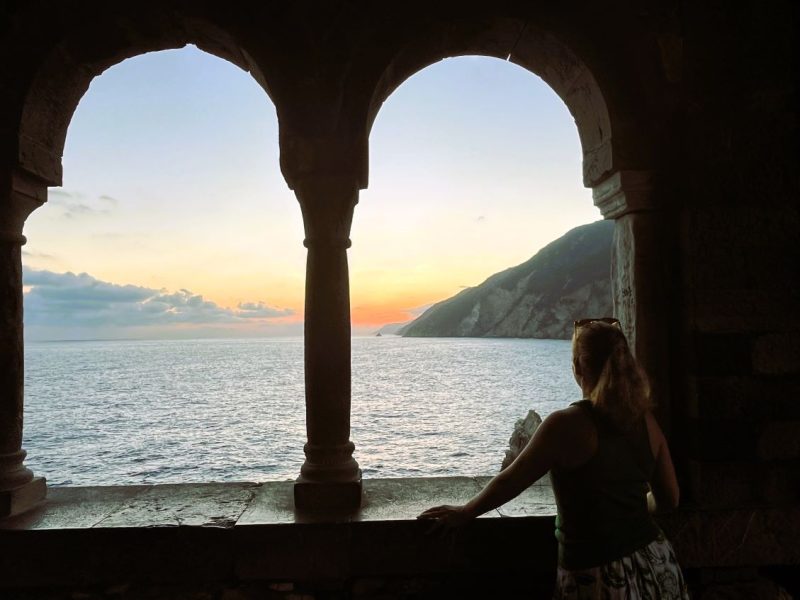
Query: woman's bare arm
{"x": 535, "y": 460}
{"x": 664, "y": 484}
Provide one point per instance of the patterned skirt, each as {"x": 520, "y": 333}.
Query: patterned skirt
{"x": 649, "y": 573}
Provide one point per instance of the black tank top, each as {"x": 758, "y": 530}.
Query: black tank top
{"x": 602, "y": 504}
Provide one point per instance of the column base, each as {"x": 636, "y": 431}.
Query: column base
{"x": 22, "y": 498}
{"x": 328, "y": 496}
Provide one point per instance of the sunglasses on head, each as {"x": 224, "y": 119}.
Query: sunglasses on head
{"x": 583, "y": 322}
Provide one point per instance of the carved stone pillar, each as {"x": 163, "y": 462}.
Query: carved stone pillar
{"x": 330, "y": 478}
{"x": 639, "y": 274}
{"x": 19, "y": 489}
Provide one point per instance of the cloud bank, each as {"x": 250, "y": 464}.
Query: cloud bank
{"x": 61, "y": 302}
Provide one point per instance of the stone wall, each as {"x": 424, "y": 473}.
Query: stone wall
{"x": 737, "y": 187}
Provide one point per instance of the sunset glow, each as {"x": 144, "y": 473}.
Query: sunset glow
{"x": 172, "y": 188}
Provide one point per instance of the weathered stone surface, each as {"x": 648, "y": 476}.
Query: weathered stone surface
{"x": 405, "y": 499}
{"x": 734, "y": 537}
{"x": 780, "y": 441}
{"x": 640, "y": 276}
{"x": 722, "y": 439}
{"x": 777, "y": 354}
{"x": 272, "y": 502}
{"x": 22, "y": 498}
{"x": 744, "y": 310}
{"x": 522, "y": 434}
{"x": 723, "y": 354}
{"x": 201, "y": 505}
{"x": 537, "y": 500}
{"x": 76, "y": 507}
{"x": 748, "y": 399}
{"x": 731, "y": 484}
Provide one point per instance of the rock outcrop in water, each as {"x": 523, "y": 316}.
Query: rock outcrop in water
{"x": 568, "y": 279}
{"x": 523, "y": 432}
{"x": 391, "y": 329}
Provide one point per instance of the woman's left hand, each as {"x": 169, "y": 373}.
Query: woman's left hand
{"x": 447, "y": 516}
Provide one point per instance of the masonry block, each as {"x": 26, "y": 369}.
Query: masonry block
{"x": 780, "y": 441}
{"x": 722, "y": 439}
{"x": 335, "y": 496}
{"x": 737, "y": 484}
{"x": 777, "y": 353}
{"x": 747, "y": 398}
{"x": 723, "y": 354}
{"x": 744, "y": 310}
{"x": 23, "y": 498}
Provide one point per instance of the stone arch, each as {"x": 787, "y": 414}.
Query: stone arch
{"x": 65, "y": 73}
{"x": 524, "y": 44}
{"x": 618, "y": 147}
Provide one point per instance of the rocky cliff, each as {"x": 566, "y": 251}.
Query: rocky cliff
{"x": 522, "y": 434}
{"x": 566, "y": 280}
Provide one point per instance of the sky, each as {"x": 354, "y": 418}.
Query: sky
{"x": 174, "y": 220}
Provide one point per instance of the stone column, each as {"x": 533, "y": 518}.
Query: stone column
{"x": 639, "y": 274}
{"x": 19, "y": 489}
{"x": 329, "y": 478}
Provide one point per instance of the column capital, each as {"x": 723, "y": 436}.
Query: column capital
{"x": 320, "y": 186}
{"x": 20, "y": 194}
{"x": 624, "y": 192}
{"x": 306, "y": 156}
{"x": 327, "y": 202}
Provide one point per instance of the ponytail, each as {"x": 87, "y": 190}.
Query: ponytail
{"x": 621, "y": 390}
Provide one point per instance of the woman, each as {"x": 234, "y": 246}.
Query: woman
{"x": 610, "y": 467}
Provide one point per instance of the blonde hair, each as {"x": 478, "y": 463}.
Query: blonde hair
{"x": 621, "y": 390}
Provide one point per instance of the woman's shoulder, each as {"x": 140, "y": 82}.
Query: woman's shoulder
{"x": 573, "y": 414}
{"x": 574, "y": 429}
{"x": 575, "y": 418}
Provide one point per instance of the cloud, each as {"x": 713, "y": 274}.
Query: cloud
{"x": 38, "y": 255}
{"x": 80, "y": 300}
{"x": 259, "y": 310}
{"x": 81, "y": 289}
{"x": 74, "y": 205}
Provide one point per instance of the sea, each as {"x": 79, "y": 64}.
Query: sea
{"x": 175, "y": 411}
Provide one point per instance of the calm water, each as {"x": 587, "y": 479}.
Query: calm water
{"x": 109, "y": 413}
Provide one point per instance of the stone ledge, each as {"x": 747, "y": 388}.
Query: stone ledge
{"x": 223, "y": 532}
{"x": 249, "y": 532}
{"x": 228, "y": 505}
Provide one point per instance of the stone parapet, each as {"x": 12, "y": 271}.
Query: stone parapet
{"x": 248, "y": 538}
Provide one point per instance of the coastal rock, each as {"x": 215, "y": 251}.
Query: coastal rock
{"x": 568, "y": 279}
{"x": 523, "y": 432}
{"x": 391, "y": 328}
